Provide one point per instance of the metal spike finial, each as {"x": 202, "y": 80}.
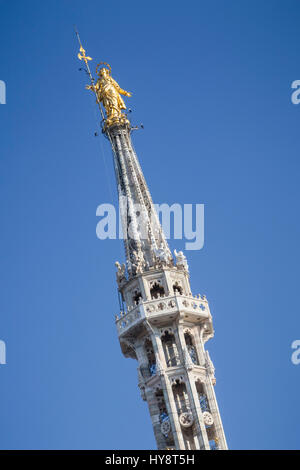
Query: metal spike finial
{"x": 82, "y": 56}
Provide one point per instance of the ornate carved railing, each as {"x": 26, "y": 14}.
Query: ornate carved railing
{"x": 193, "y": 304}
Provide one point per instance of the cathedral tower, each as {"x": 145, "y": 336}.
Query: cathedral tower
{"x": 163, "y": 326}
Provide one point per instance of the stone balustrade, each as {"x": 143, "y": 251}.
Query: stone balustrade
{"x": 192, "y": 304}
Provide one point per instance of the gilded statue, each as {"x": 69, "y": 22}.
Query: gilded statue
{"x": 109, "y": 94}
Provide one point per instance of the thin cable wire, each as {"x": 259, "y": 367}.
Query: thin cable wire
{"x": 104, "y": 160}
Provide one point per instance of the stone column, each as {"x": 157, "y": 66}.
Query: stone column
{"x": 154, "y": 413}
{"x": 215, "y": 413}
{"x": 172, "y": 412}
{"x": 210, "y": 392}
{"x": 201, "y": 438}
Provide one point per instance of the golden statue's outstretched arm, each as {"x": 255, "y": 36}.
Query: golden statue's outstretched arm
{"x": 119, "y": 89}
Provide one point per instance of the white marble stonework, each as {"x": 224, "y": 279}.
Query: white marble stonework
{"x": 162, "y": 324}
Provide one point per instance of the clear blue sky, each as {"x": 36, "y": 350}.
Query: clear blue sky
{"x": 211, "y": 83}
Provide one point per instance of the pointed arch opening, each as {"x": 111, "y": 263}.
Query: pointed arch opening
{"x": 137, "y": 297}
{"x": 157, "y": 290}
{"x": 202, "y": 396}
{"x": 149, "y": 350}
{"x": 181, "y": 397}
{"x": 205, "y": 408}
{"x": 164, "y": 419}
{"x": 191, "y": 348}
{"x": 177, "y": 288}
{"x": 170, "y": 349}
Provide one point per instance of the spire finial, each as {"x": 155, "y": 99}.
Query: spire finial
{"x": 82, "y": 56}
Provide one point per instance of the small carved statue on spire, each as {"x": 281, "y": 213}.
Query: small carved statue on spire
{"x": 162, "y": 255}
{"x": 121, "y": 276}
{"x": 181, "y": 261}
{"x": 138, "y": 261}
